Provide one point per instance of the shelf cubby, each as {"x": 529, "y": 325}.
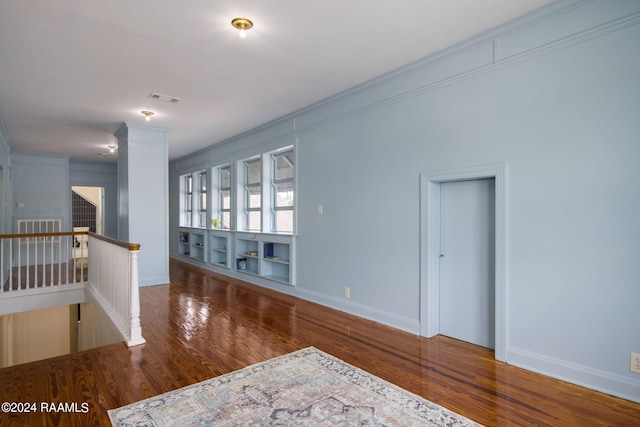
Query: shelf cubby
{"x": 219, "y": 251}
{"x": 247, "y": 251}
{"x": 265, "y": 255}
{"x": 192, "y": 243}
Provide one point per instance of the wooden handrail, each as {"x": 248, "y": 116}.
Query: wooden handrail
{"x": 28, "y": 235}
{"x": 130, "y": 246}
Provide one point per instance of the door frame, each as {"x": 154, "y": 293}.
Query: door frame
{"x": 430, "y": 247}
{"x": 100, "y": 209}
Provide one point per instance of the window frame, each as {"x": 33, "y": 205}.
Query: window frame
{"x": 221, "y": 210}
{"x": 243, "y": 187}
{"x": 202, "y": 208}
{"x": 194, "y": 199}
{"x": 186, "y": 208}
{"x": 248, "y": 187}
{"x": 274, "y": 184}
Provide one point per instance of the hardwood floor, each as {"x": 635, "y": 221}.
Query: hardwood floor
{"x": 204, "y": 325}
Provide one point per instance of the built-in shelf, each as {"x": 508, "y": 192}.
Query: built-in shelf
{"x": 219, "y": 249}
{"x": 184, "y": 246}
{"x": 265, "y": 255}
{"x": 247, "y": 251}
{"x": 192, "y": 242}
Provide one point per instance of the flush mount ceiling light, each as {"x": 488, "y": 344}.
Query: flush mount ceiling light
{"x": 147, "y": 115}
{"x": 242, "y": 24}
{"x": 112, "y": 148}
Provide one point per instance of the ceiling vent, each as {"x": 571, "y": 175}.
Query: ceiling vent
{"x": 165, "y": 98}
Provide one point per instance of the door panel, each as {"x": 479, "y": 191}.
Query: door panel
{"x": 467, "y": 262}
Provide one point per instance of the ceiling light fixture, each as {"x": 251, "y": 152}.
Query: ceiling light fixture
{"x": 112, "y": 148}
{"x": 147, "y": 115}
{"x": 242, "y": 24}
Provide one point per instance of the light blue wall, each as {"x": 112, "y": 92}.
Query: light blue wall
{"x": 143, "y": 198}
{"x": 41, "y": 185}
{"x": 6, "y": 197}
{"x": 556, "y": 96}
{"x": 6, "y": 192}
{"x": 99, "y": 175}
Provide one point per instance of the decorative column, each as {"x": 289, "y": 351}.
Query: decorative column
{"x": 143, "y": 195}
{"x": 135, "y": 331}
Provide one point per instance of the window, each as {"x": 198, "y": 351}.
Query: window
{"x": 253, "y": 194}
{"x": 283, "y": 191}
{"x": 202, "y": 199}
{"x": 224, "y": 197}
{"x": 186, "y": 184}
{"x": 266, "y": 192}
{"x": 193, "y": 202}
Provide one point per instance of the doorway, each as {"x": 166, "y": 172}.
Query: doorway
{"x": 467, "y": 261}
{"x": 88, "y": 208}
{"x": 431, "y": 187}
{"x": 87, "y": 214}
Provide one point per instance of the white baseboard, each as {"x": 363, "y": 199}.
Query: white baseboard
{"x": 399, "y": 322}
{"x": 151, "y": 281}
{"x": 605, "y": 382}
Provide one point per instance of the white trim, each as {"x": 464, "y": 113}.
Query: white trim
{"x": 430, "y": 242}
{"x": 596, "y": 379}
{"x": 154, "y": 280}
{"x": 39, "y": 298}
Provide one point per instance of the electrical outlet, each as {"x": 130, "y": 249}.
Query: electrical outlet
{"x": 635, "y": 363}
{"x": 347, "y": 292}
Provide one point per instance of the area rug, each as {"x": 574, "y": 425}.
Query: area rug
{"x": 304, "y": 388}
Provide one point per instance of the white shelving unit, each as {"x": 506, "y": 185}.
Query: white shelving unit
{"x": 276, "y": 261}
{"x": 247, "y": 254}
{"x": 198, "y": 245}
{"x": 192, "y": 242}
{"x": 184, "y": 243}
{"x": 269, "y": 256}
{"x": 262, "y": 255}
{"x": 219, "y": 248}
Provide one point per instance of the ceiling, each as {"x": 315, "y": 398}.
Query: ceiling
{"x": 72, "y": 71}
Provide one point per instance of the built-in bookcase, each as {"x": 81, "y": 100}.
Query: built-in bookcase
{"x": 247, "y": 255}
{"x": 192, "y": 242}
{"x": 265, "y": 255}
{"x": 276, "y": 261}
{"x": 219, "y": 249}
{"x": 184, "y": 243}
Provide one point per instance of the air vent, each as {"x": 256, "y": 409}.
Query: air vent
{"x": 164, "y": 98}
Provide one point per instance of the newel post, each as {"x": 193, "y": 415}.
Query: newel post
{"x": 135, "y": 334}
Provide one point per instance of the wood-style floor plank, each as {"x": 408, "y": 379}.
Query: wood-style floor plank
{"x": 204, "y": 325}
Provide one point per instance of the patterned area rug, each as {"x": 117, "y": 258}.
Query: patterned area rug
{"x": 304, "y": 388}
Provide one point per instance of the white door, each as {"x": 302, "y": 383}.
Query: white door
{"x": 467, "y": 261}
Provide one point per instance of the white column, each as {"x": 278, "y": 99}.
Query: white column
{"x": 135, "y": 335}
{"x": 143, "y": 195}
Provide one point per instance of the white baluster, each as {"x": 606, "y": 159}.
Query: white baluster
{"x": 134, "y": 326}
